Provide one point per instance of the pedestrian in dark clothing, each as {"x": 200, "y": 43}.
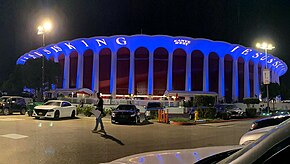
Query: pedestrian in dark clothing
{"x": 99, "y": 106}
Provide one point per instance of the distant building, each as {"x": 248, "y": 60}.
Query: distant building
{"x": 150, "y": 65}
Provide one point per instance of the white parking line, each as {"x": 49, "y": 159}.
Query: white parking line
{"x": 10, "y": 119}
{"x": 14, "y": 136}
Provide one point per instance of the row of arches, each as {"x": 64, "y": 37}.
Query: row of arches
{"x": 161, "y": 63}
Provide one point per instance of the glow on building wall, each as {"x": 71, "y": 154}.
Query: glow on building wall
{"x": 150, "y": 65}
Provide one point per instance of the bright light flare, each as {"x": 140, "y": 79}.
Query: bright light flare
{"x": 265, "y": 46}
{"x": 47, "y": 26}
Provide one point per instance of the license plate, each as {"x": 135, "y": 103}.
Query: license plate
{"x": 40, "y": 113}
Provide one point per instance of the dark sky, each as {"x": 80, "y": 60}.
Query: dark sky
{"x": 235, "y": 21}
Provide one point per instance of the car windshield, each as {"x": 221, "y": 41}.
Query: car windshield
{"x": 153, "y": 105}
{"x": 230, "y": 106}
{"x": 3, "y": 99}
{"x": 52, "y": 103}
{"x": 125, "y": 107}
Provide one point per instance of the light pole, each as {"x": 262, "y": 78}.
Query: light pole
{"x": 266, "y": 73}
{"x": 43, "y": 30}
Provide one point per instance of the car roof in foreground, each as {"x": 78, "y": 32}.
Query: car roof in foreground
{"x": 272, "y": 117}
{"x": 174, "y": 156}
{"x": 255, "y": 150}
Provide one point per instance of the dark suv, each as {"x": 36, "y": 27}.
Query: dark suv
{"x": 10, "y": 104}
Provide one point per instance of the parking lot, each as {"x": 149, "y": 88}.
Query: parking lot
{"x": 27, "y": 140}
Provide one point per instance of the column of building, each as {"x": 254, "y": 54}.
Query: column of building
{"x": 246, "y": 79}
{"x": 131, "y": 74}
{"x": 205, "y": 74}
{"x": 188, "y": 73}
{"x": 169, "y": 72}
{"x": 235, "y": 80}
{"x": 113, "y": 81}
{"x": 256, "y": 86}
{"x": 80, "y": 70}
{"x": 66, "y": 72}
{"x": 221, "y": 81}
{"x": 150, "y": 74}
{"x": 95, "y": 72}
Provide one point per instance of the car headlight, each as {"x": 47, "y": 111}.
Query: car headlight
{"x": 51, "y": 110}
{"x": 147, "y": 113}
{"x": 113, "y": 114}
{"x": 133, "y": 115}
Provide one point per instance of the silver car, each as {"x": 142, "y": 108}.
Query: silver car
{"x": 272, "y": 147}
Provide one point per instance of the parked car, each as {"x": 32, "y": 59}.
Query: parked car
{"x": 228, "y": 111}
{"x": 272, "y": 147}
{"x": 10, "y": 104}
{"x": 268, "y": 121}
{"x": 55, "y": 109}
{"x": 151, "y": 110}
{"x": 280, "y": 112}
{"x": 126, "y": 114}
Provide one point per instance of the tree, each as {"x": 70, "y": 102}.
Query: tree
{"x": 30, "y": 75}
{"x": 251, "y": 100}
{"x": 14, "y": 85}
{"x": 33, "y": 73}
{"x": 274, "y": 90}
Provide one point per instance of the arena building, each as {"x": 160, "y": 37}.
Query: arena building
{"x": 152, "y": 65}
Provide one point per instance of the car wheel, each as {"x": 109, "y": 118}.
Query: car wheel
{"x": 138, "y": 120}
{"x": 23, "y": 111}
{"x": 73, "y": 114}
{"x": 1, "y": 111}
{"x": 225, "y": 116}
{"x": 56, "y": 114}
{"x": 6, "y": 111}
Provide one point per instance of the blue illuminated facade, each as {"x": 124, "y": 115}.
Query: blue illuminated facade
{"x": 169, "y": 62}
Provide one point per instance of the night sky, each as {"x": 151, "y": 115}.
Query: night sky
{"x": 235, "y": 21}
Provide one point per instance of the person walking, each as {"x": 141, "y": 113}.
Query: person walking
{"x": 99, "y": 107}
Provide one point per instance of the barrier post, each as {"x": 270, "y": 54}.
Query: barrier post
{"x": 159, "y": 116}
{"x": 167, "y": 119}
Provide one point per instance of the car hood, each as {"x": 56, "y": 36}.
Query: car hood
{"x": 254, "y": 135}
{"x": 123, "y": 111}
{"x": 174, "y": 156}
{"x": 45, "y": 107}
{"x": 235, "y": 110}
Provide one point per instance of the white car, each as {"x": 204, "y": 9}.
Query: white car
{"x": 55, "y": 109}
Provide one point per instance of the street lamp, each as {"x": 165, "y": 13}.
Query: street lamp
{"x": 266, "y": 73}
{"x": 43, "y": 30}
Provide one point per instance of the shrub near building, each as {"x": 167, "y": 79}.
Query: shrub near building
{"x": 205, "y": 105}
{"x": 251, "y": 111}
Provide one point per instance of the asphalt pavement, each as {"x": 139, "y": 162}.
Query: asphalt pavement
{"x": 27, "y": 140}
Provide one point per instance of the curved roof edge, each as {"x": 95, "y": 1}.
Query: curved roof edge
{"x": 151, "y": 42}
